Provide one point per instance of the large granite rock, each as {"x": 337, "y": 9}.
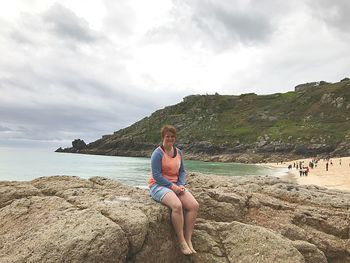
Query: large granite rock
{"x": 259, "y": 219}
{"x": 315, "y": 215}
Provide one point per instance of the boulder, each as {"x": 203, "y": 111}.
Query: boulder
{"x": 78, "y": 144}
{"x": 49, "y": 229}
{"x": 310, "y": 252}
{"x": 238, "y": 242}
{"x": 308, "y": 213}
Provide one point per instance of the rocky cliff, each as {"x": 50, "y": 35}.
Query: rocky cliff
{"x": 258, "y": 219}
{"x": 313, "y": 120}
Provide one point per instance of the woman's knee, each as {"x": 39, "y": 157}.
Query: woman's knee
{"x": 195, "y": 206}
{"x": 173, "y": 202}
{"x": 192, "y": 205}
{"x": 176, "y": 207}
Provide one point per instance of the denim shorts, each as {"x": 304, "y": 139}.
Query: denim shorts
{"x": 158, "y": 192}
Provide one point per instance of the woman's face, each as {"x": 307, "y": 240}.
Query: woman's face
{"x": 169, "y": 139}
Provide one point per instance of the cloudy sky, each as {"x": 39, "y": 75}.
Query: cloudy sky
{"x": 83, "y": 68}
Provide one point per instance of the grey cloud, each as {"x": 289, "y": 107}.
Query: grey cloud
{"x": 58, "y": 123}
{"x": 222, "y": 25}
{"x": 66, "y": 122}
{"x": 81, "y": 100}
{"x": 20, "y": 38}
{"x": 333, "y": 13}
{"x": 75, "y": 85}
{"x": 55, "y": 101}
{"x": 4, "y": 129}
{"x": 120, "y": 18}
{"x": 23, "y": 30}
{"x": 232, "y": 24}
{"x": 28, "y": 143}
{"x": 68, "y": 25}
{"x": 50, "y": 119}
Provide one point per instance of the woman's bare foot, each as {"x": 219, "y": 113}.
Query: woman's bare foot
{"x": 185, "y": 249}
{"x": 191, "y": 247}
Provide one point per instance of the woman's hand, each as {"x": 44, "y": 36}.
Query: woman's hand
{"x": 178, "y": 189}
{"x": 182, "y": 189}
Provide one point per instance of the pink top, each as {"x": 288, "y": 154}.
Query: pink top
{"x": 170, "y": 167}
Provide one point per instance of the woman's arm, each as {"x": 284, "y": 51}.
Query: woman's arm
{"x": 182, "y": 172}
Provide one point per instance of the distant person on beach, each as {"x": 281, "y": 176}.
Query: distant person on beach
{"x": 167, "y": 186}
{"x": 327, "y": 166}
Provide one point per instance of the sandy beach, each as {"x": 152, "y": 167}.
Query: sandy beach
{"x": 337, "y": 176}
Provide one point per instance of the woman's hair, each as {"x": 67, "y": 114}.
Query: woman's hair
{"x": 167, "y": 128}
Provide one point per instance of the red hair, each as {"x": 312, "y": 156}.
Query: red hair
{"x": 167, "y": 128}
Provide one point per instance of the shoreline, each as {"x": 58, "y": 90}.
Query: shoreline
{"x": 337, "y": 177}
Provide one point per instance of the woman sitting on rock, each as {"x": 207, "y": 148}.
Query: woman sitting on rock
{"x": 167, "y": 185}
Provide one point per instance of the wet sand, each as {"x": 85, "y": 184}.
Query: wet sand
{"x": 337, "y": 176}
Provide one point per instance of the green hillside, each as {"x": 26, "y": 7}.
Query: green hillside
{"x": 315, "y": 120}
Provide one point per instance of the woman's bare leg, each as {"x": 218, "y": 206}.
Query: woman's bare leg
{"x": 172, "y": 201}
{"x": 190, "y": 204}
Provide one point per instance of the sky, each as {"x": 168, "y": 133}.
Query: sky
{"x": 85, "y": 68}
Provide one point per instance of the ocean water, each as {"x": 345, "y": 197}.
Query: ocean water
{"x": 27, "y": 164}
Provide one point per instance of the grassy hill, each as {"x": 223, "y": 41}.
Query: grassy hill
{"x": 314, "y": 120}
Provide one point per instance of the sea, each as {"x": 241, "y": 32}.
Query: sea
{"x": 24, "y": 164}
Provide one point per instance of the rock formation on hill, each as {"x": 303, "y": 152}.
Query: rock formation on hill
{"x": 242, "y": 219}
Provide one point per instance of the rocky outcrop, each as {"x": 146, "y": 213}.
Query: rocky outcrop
{"x": 305, "y": 86}
{"x": 119, "y": 148}
{"x": 311, "y": 214}
{"x": 241, "y": 219}
{"x": 79, "y": 144}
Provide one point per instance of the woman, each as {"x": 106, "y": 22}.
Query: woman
{"x": 167, "y": 185}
